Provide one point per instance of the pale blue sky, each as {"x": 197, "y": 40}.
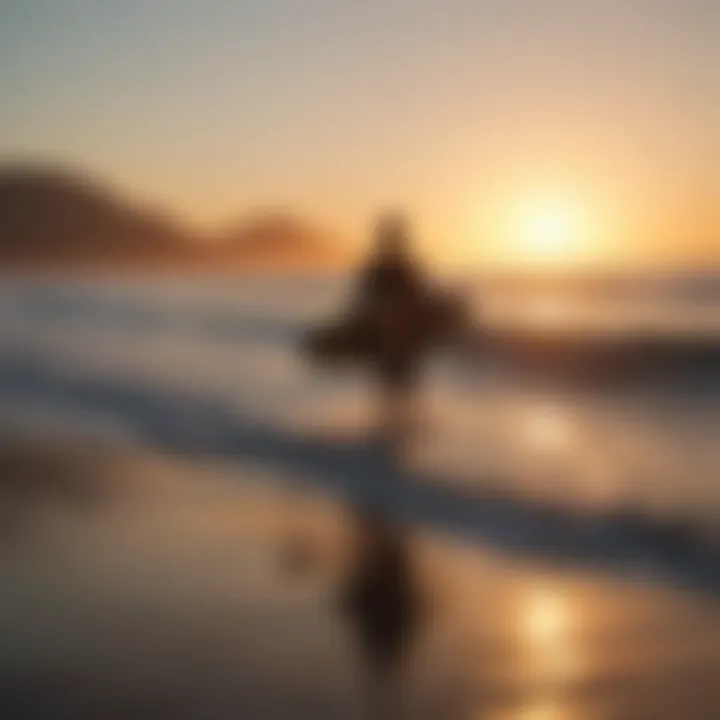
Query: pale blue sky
{"x": 449, "y": 107}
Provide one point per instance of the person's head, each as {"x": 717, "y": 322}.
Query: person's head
{"x": 392, "y": 236}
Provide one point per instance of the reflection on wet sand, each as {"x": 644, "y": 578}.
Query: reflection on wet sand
{"x": 550, "y": 656}
{"x": 168, "y": 601}
{"x": 544, "y": 623}
{"x": 545, "y": 710}
{"x": 577, "y": 648}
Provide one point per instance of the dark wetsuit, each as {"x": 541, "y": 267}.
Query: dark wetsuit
{"x": 392, "y": 291}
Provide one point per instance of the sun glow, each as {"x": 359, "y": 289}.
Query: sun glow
{"x": 544, "y": 230}
{"x": 549, "y": 231}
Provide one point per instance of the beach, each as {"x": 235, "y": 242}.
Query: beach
{"x": 163, "y": 443}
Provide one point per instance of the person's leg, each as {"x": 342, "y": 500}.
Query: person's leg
{"x": 400, "y": 405}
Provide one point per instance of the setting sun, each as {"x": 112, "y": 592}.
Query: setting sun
{"x": 549, "y": 231}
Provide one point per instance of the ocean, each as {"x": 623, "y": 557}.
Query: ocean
{"x": 639, "y": 436}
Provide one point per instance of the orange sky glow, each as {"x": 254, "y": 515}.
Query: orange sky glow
{"x": 559, "y": 134}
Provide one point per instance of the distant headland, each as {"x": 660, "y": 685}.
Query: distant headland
{"x": 54, "y": 218}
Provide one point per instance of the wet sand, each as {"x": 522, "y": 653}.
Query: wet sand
{"x": 137, "y": 585}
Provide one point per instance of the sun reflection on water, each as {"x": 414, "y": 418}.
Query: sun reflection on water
{"x": 546, "y": 427}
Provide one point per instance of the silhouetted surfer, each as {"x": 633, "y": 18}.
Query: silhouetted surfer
{"x": 395, "y": 317}
{"x": 392, "y": 275}
{"x": 391, "y": 297}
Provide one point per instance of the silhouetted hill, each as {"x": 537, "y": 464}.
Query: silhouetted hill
{"x": 52, "y": 216}
{"x": 279, "y": 238}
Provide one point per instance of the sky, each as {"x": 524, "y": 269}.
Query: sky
{"x": 530, "y": 131}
